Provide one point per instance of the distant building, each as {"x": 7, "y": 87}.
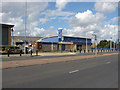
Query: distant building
{"x": 20, "y": 40}
{"x": 68, "y": 43}
{"x": 5, "y": 34}
{"x": 61, "y": 43}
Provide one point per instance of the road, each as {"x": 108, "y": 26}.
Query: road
{"x": 101, "y": 72}
{"x": 41, "y": 57}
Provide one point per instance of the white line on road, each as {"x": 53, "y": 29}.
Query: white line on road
{"x": 108, "y": 62}
{"x": 73, "y": 71}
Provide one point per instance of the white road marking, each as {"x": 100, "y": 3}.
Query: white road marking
{"x": 108, "y": 62}
{"x": 73, "y": 71}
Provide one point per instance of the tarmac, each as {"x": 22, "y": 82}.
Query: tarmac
{"x": 22, "y": 63}
{"x": 39, "y": 54}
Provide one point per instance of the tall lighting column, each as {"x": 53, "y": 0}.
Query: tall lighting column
{"x": 86, "y": 44}
{"x": 95, "y": 43}
{"x": 25, "y": 26}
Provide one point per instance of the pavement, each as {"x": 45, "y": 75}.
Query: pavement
{"x": 39, "y": 54}
{"x": 16, "y": 62}
{"x": 99, "y": 72}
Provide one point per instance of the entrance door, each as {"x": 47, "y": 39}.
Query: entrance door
{"x": 63, "y": 47}
{"x": 79, "y": 47}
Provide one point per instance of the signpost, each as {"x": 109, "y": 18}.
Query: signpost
{"x": 60, "y": 36}
{"x": 96, "y": 43}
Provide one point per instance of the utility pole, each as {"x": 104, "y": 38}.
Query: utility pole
{"x": 111, "y": 43}
{"x": 25, "y": 25}
{"x": 114, "y": 38}
{"x": 86, "y": 43}
{"x": 95, "y": 43}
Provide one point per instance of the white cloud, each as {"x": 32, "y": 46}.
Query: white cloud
{"x": 87, "y": 22}
{"x": 114, "y": 20}
{"x": 14, "y": 13}
{"x": 51, "y": 27}
{"x": 86, "y": 18}
{"x": 56, "y": 13}
{"x": 60, "y": 4}
{"x": 43, "y": 20}
{"x": 105, "y": 7}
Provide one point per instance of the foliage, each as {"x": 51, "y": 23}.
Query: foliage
{"x": 105, "y": 44}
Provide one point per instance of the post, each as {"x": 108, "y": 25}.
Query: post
{"x": 95, "y": 43}
{"x": 8, "y": 52}
{"x": 61, "y": 47}
{"x": 37, "y": 52}
{"x": 31, "y": 52}
{"x": 20, "y": 52}
{"x": 86, "y": 43}
{"x": 111, "y": 43}
{"x": 114, "y": 46}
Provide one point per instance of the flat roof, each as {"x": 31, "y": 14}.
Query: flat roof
{"x": 6, "y": 25}
{"x": 65, "y": 36}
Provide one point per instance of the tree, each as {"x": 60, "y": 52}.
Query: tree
{"x": 104, "y": 44}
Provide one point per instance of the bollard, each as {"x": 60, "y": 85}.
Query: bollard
{"x": 31, "y": 52}
{"x": 88, "y": 51}
{"x": 84, "y": 51}
{"x": 20, "y": 52}
{"x": 92, "y": 51}
{"x": 36, "y": 52}
{"x": 98, "y": 50}
{"x": 8, "y": 51}
{"x": 80, "y": 51}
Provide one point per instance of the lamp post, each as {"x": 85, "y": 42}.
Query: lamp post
{"x": 95, "y": 43}
{"x": 114, "y": 38}
{"x": 25, "y": 26}
{"x": 86, "y": 44}
{"x": 111, "y": 43}
{"x": 12, "y": 37}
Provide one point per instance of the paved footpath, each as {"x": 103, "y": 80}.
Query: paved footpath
{"x": 21, "y": 63}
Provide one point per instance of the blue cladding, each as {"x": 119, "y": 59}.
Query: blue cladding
{"x": 48, "y": 43}
{"x": 75, "y": 40}
{"x": 50, "y": 39}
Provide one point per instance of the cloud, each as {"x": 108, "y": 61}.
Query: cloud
{"x": 86, "y": 18}
{"x": 14, "y": 13}
{"x": 44, "y": 20}
{"x": 87, "y": 22}
{"x": 51, "y": 27}
{"x": 60, "y": 4}
{"x": 105, "y": 7}
{"x": 114, "y": 19}
{"x": 56, "y": 13}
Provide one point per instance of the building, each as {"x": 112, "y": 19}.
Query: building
{"x": 61, "y": 43}
{"x": 20, "y": 40}
{"x": 67, "y": 43}
{"x": 5, "y": 34}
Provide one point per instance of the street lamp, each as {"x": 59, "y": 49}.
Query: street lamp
{"x": 12, "y": 36}
{"x": 114, "y": 38}
{"x": 111, "y": 43}
{"x": 95, "y": 43}
{"x": 86, "y": 43}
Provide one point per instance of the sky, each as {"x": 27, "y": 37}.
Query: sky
{"x": 80, "y": 19}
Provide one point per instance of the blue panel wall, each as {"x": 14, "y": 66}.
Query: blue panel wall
{"x": 51, "y": 39}
{"x": 75, "y": 40}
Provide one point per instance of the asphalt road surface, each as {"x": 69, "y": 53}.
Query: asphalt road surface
{"x": 101, "y": 72}
{"x": 41, "y": 57}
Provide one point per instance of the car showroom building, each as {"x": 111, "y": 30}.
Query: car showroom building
{"x": 61, "y": 43}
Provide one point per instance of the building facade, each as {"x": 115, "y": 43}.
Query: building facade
{"x": 67, "y": 43}
{"x": 20, "y": 40}
{"x": 5, "y": 31}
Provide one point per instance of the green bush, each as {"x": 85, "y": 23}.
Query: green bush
{"x": 6, "y": 47}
